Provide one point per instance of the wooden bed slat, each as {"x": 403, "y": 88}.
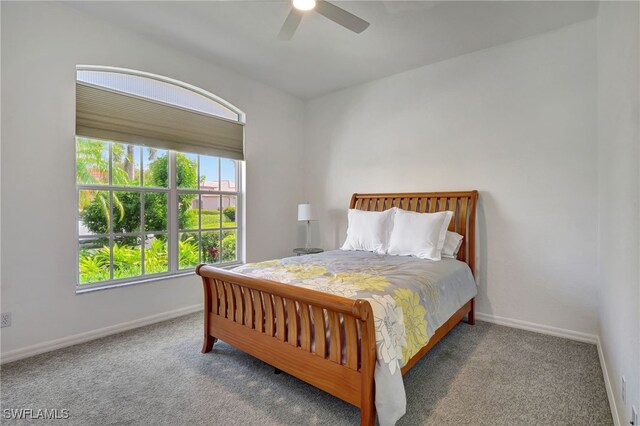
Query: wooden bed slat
{"x": 214, "y": 295}
{"x": 237, "y": 292}
{"x": 432, "y": 204}
{"x": 292, "y": 322}
{"x": 231, "y": 303}
{"x": 442, "y": 206}
{"x": 268, "y": 314}
{"x": 320, "y": 332}
{"x": 305, "y": 327}
{"x": 423, "y": 205}
{"x": 257, "y": 303}
{"x": 453, "y": 205}
{"x": 223, "y": 298}
{"x": 281, "y": 325}
{"x": 248, "y": 308}
{"x": 335, "y": 338}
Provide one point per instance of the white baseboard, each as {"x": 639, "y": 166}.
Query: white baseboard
{"x": 607, "y": 385}
{"x": 63, "y": 342}
{"x": 539, "y": 328}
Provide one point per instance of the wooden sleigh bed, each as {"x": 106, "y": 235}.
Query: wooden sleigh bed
{"x": 276, "y": 322}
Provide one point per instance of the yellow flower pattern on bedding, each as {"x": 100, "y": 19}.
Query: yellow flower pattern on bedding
{"x": 414, "y": 322}
{"x": 265, "y": 264}
{"x": 305, "y": 271}
{"x": 362, "y": 281}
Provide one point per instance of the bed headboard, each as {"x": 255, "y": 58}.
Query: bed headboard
{"x": 462, "y": 204}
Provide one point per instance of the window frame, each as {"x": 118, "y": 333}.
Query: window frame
{"x": 172, "y": 232}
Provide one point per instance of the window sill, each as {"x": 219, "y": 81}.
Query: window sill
{"x": 181, "y": 274}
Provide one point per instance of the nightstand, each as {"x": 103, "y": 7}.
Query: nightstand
{"x": 303, "y": 251}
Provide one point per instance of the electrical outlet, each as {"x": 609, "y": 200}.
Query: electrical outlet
{"x": 634, "y": 416}
{"x": 5, "y": 320}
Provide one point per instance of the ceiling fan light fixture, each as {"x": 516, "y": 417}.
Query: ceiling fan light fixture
{"x": 323, "y": 7}
{"x": 304, "y": 4}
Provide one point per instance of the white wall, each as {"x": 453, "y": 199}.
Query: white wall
{"x": 41, "y": 45}
{"x": 619, "y": 197}
{"x": 518, "y": 123}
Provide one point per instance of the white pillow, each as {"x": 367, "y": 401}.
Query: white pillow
{"x": 419, "y": 234}
{"x": 369, "y": 231}
{"x": 452, "y": 243}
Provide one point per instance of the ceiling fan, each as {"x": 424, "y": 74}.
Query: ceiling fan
{"x": 324, "y": 8}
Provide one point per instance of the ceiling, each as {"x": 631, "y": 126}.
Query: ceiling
{"x": 324, "y": 57}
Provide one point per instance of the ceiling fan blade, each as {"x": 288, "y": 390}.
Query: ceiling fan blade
{"x": 290, "y": 25}
{"x": 341, "y": 16}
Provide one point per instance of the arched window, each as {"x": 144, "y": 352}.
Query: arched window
{"x": 159, "y": 89}
{"x": 158, "y": 167}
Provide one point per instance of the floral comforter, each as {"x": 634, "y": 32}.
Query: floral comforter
{"x": 410, "y": 298}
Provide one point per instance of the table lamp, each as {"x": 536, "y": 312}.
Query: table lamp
{"x": 306, "y": 212}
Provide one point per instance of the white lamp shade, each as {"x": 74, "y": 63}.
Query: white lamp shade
{"x": 306, "y": 212}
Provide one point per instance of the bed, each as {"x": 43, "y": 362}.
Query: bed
{"x": 274, "y": 310}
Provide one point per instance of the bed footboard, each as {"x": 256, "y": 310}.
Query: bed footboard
{"x": 278, "y": 324}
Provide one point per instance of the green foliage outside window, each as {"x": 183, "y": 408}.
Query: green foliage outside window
{"x": 95, "y": 216}
{"x": 94, "y": 261}
{"x": 125, "y": 256}
{"x": 230, "y": 213}
{"x": 229, "y": 248}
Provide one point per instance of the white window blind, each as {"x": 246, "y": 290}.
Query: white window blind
{"x": 107, "y": 114}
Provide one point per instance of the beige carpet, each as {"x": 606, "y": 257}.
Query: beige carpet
{"x": 156, "y": 375}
